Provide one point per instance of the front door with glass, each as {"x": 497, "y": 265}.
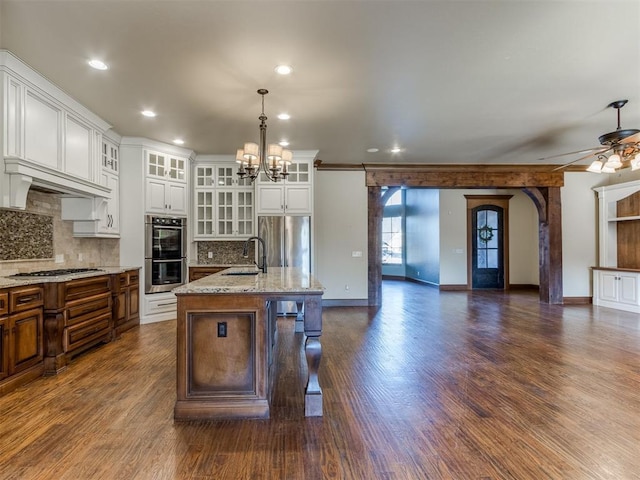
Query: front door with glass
{"x": 487, "y": 241}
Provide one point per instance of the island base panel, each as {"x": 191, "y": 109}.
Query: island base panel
{"x": 211, "y": 410}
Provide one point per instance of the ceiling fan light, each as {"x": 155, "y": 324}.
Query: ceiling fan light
{"x": 635, "y": 163}
{"x": 614, "y": 161}
{"x": 595, "y": 167}
{"x": 607, "y": 169}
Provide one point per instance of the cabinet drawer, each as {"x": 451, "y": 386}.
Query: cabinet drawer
{"x": 123, "y": 281}
{"x": 83, "y": 333}
{"x": 25, "y": 298}
{"x": 86, "y": 287}
{"x": 196, "y": 273}
{"x": 4, "y": 303}
{"x": 161, "y": 304}
{"x": 80, "y": 311}
{"x": 134, "y": 278}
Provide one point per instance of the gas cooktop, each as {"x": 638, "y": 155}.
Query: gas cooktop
{"x": 56, "y": 273}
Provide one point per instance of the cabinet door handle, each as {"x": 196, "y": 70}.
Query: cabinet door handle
{"x": 23, "y": 300}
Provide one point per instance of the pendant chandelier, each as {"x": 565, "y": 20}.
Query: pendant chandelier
{"x": 272, "y": 159}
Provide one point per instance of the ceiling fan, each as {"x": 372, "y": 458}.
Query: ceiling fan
{"x": 617, "y": 149}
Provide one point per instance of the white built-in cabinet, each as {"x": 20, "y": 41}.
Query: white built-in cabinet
{"x": 223, "y": 202}
{"x": 292, "y": 196}
{"x": 50, "y": 139}
{"x": 616, "y": 288}
{"x": 166, "y": 184}
{"x": 98, "y": 216}
{"x": 616, "y": 279}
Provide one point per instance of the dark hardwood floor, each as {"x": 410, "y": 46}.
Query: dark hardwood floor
{"x": 450, "y": 385}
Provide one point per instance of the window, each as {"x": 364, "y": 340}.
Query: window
{"x": 392, "y": 229}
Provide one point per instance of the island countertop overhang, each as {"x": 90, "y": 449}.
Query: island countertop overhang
{"x": 277, "y": 280}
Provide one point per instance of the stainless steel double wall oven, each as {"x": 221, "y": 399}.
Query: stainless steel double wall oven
{"x": 165, "y": 253}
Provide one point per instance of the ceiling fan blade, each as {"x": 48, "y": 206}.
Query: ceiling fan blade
{"x": 635, "y": 138}
{"x": 585, "y": 150}
{"x": 592, "y": 154}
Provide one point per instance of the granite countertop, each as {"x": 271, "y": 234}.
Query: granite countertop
{"x": 223, "y": 265}
{"x": 276, "y": 280}
{"x": 8, "y": 282}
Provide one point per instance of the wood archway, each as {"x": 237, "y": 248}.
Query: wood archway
{"x": 540, "y": 183}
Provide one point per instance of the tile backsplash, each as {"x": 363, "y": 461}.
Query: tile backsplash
{"x": 25, "y": 236}
{"x": 45, "y": 235}
{"x": 224, "y": 253}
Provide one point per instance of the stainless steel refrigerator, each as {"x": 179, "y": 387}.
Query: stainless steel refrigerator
{"x": 288, "y": 244}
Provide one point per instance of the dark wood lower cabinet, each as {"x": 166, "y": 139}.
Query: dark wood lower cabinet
{"x": 126, "y": 301}
{"x": 42, "y": 327}
{"x": 202, "y": 271}
{"x": 77, "y": 315}
{"x": 21, "y": 336}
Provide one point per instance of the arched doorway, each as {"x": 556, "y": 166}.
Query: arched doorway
{"x": 488, "y": 241}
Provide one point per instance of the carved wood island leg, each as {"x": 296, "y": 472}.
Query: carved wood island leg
{"x": 313, "y": 353}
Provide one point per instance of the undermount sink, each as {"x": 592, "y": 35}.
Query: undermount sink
{"x": 241, "y": 273}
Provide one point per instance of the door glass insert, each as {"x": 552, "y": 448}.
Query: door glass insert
{"x": 487, "y": 230}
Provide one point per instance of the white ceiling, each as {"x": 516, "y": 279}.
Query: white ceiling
{"x": 447, "y": 81}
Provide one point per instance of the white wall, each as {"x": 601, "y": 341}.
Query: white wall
{"x": 340, "y": 228}
{"x": 579, "y": 232}
{"x": 523, "y": 240}
{"x": 453, "y": 237}
{"x": 523, "y": 236}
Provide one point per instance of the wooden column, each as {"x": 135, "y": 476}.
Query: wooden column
{"x": 375, "y": 245}
{"x": 547, "y": 201}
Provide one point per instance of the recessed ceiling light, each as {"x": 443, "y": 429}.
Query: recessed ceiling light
{"x": 373, "y": 150}
{"x": 283, "y": 143}
{"x": 284, "y": 69}
{"x": 98, "y": 64}
{"x": 284, "y": 116}
{"x": 396, "y": 150}
{"x": 178, "y": 141}
{"x": 148, "y": 113}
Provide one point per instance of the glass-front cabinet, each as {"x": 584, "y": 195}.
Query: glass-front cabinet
{"x": 223, "y": 203}
{"x": 166, "y": 184}
{"x": 292, "y": 196}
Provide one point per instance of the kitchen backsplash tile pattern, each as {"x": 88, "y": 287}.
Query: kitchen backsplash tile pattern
{"x": 25, "y": 235}
{"x": 73, "y": 252}
{"x": 224, "y": 253}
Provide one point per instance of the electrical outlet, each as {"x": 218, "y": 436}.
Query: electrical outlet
{"x": 80, "y": 257}
{"x": 356, "y": 254}
{"x": 222, "y": 329}
{"x": 60, "y": 258}
{"x": 209, "y": 254}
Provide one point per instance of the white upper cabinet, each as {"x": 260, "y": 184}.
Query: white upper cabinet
{"x": 110, "y": 158}
{"x": 98, "y": 216}
{"x": 292, "y": 196}
{"x": 50, "y": 140}
{"x": 42, "y": 127}
{"x": 166, "y": 184}
{"x": 223, "y": 203}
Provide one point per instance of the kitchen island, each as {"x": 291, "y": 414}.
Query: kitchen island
{"x": 226, "y": 334}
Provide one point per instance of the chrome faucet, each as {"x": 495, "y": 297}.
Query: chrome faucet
{"x": 245, "y": 253}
